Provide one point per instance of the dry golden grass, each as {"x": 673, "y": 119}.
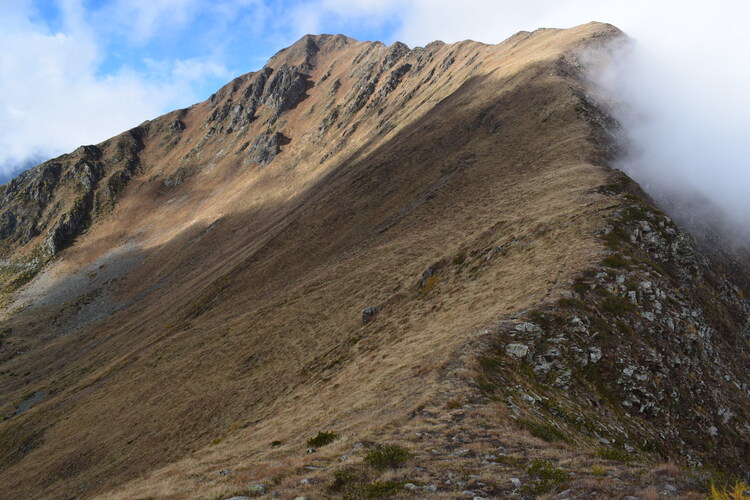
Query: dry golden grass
{"x": 739, "y": 491}
{"x": 250, "y": 333}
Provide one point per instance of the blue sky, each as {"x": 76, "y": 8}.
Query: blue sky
{"x": 79, "y": 71}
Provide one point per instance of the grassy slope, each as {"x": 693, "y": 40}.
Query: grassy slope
{"x": 256, "y": 335}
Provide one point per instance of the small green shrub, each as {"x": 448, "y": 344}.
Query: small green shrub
{"x": 580, "y": 286}
{"x": 622, "y": 326}
{"x": 568, "y": 302}
{"x": 616, "y": 238}
{"x": 459, "y": 258}
{"x": 380, "y": 489}
{"x": 634, "y": 214}
{"x": 491, "y": 363}
{"x": 389, "y": 456}
{"x": 616, "y": 454}
{"x": 344, "y": 477}
{"x": 322, "y": 439}
{"x": 485, "y": 385}
{"x": 545, "y": 476}
{"x": 615, "y": 261}
{"x": 598, "y": 470}
{"x": 617, "y": 305}
{"x": 540, "y": 318}
{"x": 542, "y": 431}
{"x": 275, "y": 443}
{"x": 453, "y": 404}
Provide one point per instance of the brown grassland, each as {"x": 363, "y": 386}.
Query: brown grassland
{"x": 240, "y": 334}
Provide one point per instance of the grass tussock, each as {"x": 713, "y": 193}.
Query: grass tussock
{"x": 322, "y": 439}
{"x": 389, "y": 456}
{"x": 617, "y": 305}
{"x": 615, "y": 261}
{"x": 739, "y": 491}
{"x": 376, "y": 489}
{"x": 543, "y": 431}
{"x": 615, "y": 454}
{"x": 544, "y": 477}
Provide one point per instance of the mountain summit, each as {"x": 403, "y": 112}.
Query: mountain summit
{"x": 367, "y": 271}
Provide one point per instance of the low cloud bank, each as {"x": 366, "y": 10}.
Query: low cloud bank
{"x": 686, "y": 130}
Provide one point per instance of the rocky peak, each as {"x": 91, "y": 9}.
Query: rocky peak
{"x": 285, "y": 88}
{"x": 304, "y": 51}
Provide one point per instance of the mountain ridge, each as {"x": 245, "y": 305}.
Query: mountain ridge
{"x": 195, "y": 288}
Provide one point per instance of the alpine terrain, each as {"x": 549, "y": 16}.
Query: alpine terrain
{"x": 370, "y": 271}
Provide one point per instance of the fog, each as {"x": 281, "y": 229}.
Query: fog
{"x": 685, "y": 128}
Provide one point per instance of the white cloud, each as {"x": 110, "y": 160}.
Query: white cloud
{"x": 141, "y": 20}
{"x": 197, "y": 69}
{"x": 53, "y": 99}
{"x": 320, "y": 16}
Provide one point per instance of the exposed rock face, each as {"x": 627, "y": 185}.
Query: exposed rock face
{"x": 68, "y": 225}
{"x": 645, "y": 344}
{"x": 34, "y": 203}
{"x": 392, "y": 81}
{"x": 264, "y": 148}
{"x": 285, "y": 88}
{"x": 368, "y": 314}
{"x": 25, "y": 199}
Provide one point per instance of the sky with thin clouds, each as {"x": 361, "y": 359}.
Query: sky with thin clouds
{"x": 79, "y": 71}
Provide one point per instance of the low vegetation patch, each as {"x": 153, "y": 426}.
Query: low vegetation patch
{"x": 540, "y": 318}
{"x": 622, "y": 326}
{"x": 343, "y": 478}
{"x": 453, "y": 404}
{"x": 543, "y": 431}
{"x": 615, "y": 261}
{"x": 740, "y": 491}
{"x": 616, "y": 454}
{"x": 322, "y": 439}
{"x": 354, "y": 484}
{"x": 545, "y": 476}
{"x": 633, "y": 214}
{"x": 491, "y": 363}
{"x": 429, "y": 283}
{"x": 580, "y": 286}
{"x": 510, "y": 460}
{"x": 389, "y": 456}
{"x": 616, "y": 238}
{"x": 377, "y": 489}
{"x": 617, "y": 305}
{"x": 569, "y": 302}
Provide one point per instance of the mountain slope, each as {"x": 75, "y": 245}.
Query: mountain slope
{"x": 348, "y": 241}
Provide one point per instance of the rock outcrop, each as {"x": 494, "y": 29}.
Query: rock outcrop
{"x": 640, "y": 348}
